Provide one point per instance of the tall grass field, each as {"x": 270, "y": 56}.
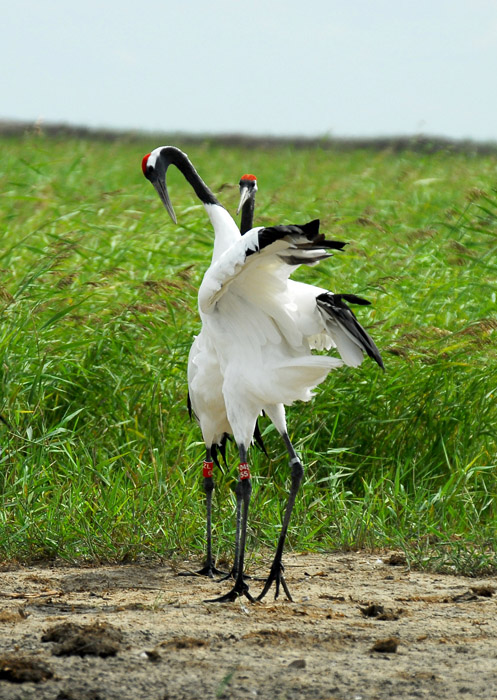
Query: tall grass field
{"x": 98, "y": 457}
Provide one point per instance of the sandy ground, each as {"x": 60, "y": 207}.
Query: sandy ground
{"x": 361, "y": 626}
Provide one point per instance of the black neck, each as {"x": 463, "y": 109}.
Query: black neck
{"x": 173, "y": 156}
{"x": 247, "y": 221}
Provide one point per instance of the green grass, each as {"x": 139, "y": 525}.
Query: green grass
{"x": 98, "y": 295}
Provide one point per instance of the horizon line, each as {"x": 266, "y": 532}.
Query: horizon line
{"x": 416, "y": 142}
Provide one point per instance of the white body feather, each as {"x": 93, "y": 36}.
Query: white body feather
{"x": 258, "y": 330}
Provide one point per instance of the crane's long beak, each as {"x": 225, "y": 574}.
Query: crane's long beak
{"x": 161, "y": 188}
{"x": 244, "y": 195}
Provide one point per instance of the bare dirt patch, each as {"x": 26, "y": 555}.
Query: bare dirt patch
{"x": 360, "y": 628}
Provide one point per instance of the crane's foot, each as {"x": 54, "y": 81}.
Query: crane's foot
{"x": 239, "y": 589}
{"x": 233, "y": 574}
{"x": 276, "y": 576}
{"x": 208, "y": 570}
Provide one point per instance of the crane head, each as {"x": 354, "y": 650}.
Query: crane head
{"x": 248, "y": 188}
{"x": 154, "y": 167}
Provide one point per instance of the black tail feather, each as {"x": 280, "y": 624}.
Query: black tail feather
{"x": 220, "y": 449}
{"x": 258, "y": 438}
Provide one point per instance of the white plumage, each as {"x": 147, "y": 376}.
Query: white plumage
{"x": 253, "y": 353}
{"x": 253, "y": 324}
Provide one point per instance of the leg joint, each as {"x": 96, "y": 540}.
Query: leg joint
{"x": 297, "y": 469}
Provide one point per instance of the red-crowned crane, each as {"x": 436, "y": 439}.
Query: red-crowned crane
{"x": 253, "y": 353}
{"x": 248, "y": 189}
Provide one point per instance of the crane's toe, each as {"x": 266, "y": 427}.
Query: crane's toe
{"x": 208, "y": 570}
{"x": 233, "y": 575}
{"x": 239, "y": 589}
{"x": 276, "y": 577}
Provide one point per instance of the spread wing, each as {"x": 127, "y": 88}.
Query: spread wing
{"x": 265, "y": 256}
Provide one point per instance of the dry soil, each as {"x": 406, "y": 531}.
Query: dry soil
{"x": 361, "y": 627}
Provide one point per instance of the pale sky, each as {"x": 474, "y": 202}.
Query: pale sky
{"x": 310, "y": 68}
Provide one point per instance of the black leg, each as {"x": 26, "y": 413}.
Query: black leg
{"x": 234, "y": 569}
{"x": 276, "y": 571}
{"x": 244, "y": 488}
{"x": 239, "y": 498}
{"x": 208, "y": 569}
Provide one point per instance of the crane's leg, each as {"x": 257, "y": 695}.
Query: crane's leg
{"x": 244, "y": 487}
{"x": 276, "y": 571}
{"x": 234, "y": 569}
{"x": 239, "y": 499}
{"x": 209, "y": 568}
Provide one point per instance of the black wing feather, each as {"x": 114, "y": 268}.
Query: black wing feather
{"x": 336, "y": 307}
{"x": 309, "y": 231}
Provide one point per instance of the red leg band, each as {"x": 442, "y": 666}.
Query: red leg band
{"x": 244, "y": 471}
{"x": 208, "y": 469}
